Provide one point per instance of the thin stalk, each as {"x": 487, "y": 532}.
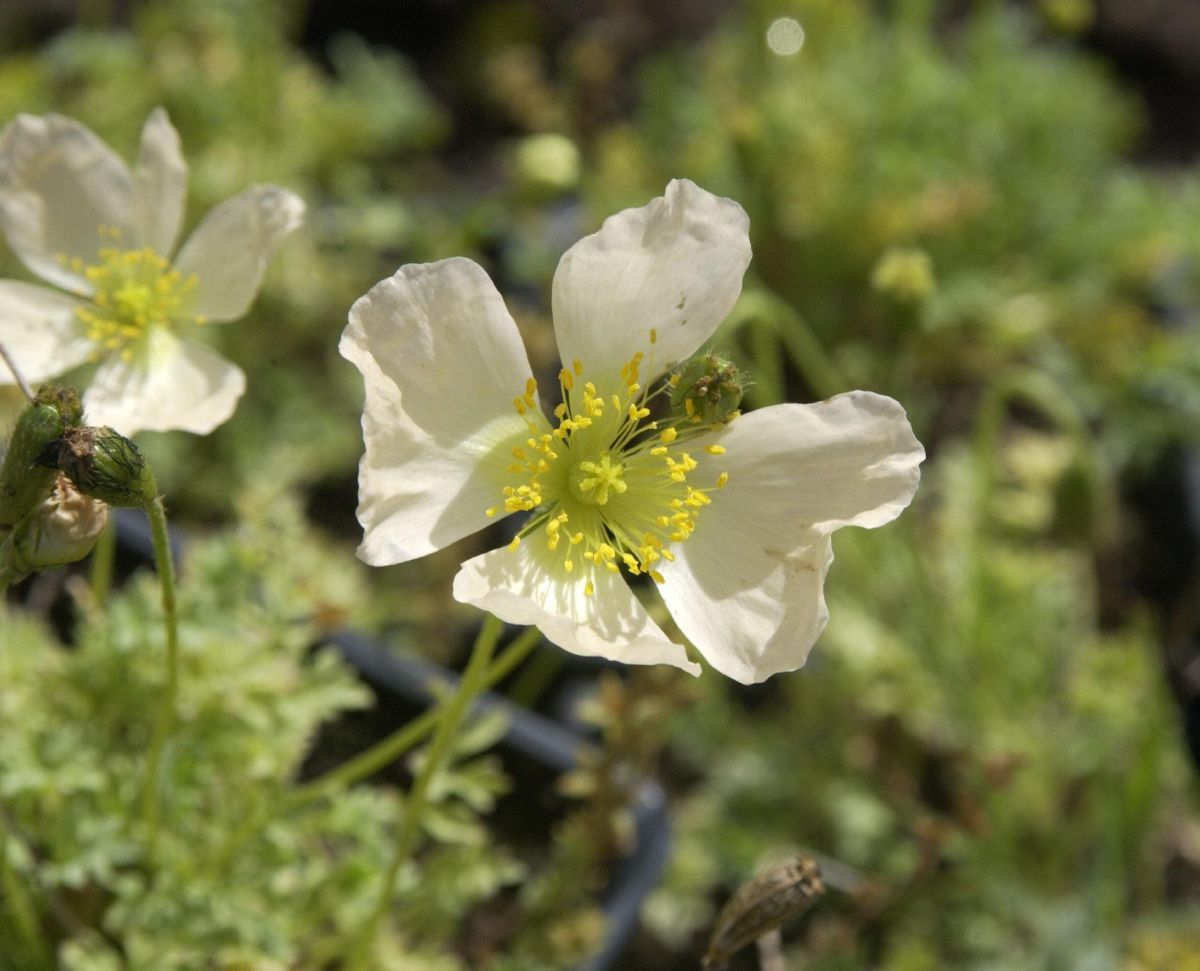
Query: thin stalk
{"x": 104, "y": 555}
{"x": 450, "y": 717}
{"x": 21, "y": 907}
{"x": 388, "y": 749}
{"x": 165, "y": 721}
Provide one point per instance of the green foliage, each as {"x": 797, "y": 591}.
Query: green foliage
{"x": 904, "y": 134}
{"x": 242, "y": 874}
{"x": 966, "y": 740}
{"x": 942, "y": 209}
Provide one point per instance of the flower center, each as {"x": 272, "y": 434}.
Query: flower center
{"x": 133, "y": 290}
{"x": 591, "y": 482}
{"x": 608, "y": 487}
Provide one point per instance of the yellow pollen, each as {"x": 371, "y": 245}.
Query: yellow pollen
{"x": 132, "y": 291}
{"x": 605, "y": 486}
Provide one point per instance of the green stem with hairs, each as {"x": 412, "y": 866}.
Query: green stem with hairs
{"x": 388, "y": 749}
{"x": 449, "y": 718}
{"x": 165, "y": 721}
{"x": 104, "y": 555}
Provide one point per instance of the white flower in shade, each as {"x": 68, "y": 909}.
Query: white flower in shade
{"x": 77, "y": 217}
{"x": 731, "y": 520}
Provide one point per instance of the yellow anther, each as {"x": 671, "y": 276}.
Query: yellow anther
{"x": 656, "y": 576}
{"x": 715, "y": 449}
{"x": 722, "y": 479}
{"x": 669, "y": 435}
{"x": 492, "y": 511}
{"x": 577, "y": 367}
{"x": 565, "y": 379}
{"x": 588, "y": 589}
{"x": 516, "y": 541}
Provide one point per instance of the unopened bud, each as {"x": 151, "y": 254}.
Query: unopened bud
{"x": 62, "y": 530}
{"x": 904, "y": 273}
{"x": 24, "y": 482}
{"x": 102, "y": 464}
{"x": 708, "y": 388}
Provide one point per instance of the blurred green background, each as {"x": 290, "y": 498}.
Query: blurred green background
{"x": 989, "y": 211}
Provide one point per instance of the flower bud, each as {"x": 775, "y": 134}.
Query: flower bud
{"x": 62, "y": 530}
{"x": 905, "y": 274}
{"x": 102, "y": 464}
{"x": 708, "y": 388}
{"x": 23, "y": 481}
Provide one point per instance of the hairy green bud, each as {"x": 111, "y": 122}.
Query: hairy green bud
{"x": 707, "y": 388}
{"x": 23, "y": 482}
{"x": 102, "y": 464}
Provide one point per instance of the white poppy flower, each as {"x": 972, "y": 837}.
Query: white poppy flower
{"x": 77, "y": 217}
{"x": 731, "y": 520}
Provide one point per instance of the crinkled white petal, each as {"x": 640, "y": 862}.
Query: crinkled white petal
{"x": 168, "y": 384}
{"x": 59, "y": 185}
{"x": 526, "y": 586}
{"x": 442, "y": 361}
{"x": 750, "y": 613}
{"x": 746, "y": 585}
{"x": 40, "y": 331}
{"x": 675, "y": 265}
{"x": 794, "y": 469}
{"x": 159, "y": 185}
{"x": 229, "y": 250}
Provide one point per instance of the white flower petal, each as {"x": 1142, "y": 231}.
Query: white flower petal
{"x": 675, "y": 265}
{"x": 230, "y": 248}
{"x": 746, "y": 585}
{"x": 159, "y": 185}
{"x": 522, "y": 587}
{"x": 442, "y": 361}
{"x": 59, "y": 185}
{"x": 797, "y": 469}
{"x": 40, "y": 331}
{"x": 751, "y": 614}
{"x": 168, "y": 384}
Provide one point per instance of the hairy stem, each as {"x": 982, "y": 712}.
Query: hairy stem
{"x": 449, "y": 718}
{"x": 165, "y": 721}
{"x": 388, "y": 749}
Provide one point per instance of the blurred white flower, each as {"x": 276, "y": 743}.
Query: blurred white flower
{"x": 731, "y": 520}
{"x": 77, "y": 217}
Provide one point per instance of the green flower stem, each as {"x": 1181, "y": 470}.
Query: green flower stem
{"x": 387, "y": 750}
{"x": 20, "y": 905}
{"x": 770, "y": 318}
{"x": 449, "y": 718}
{"x": 165, "y": 568}
{"x": 104, "y": 555}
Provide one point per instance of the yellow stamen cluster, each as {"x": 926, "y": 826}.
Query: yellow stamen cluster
{"x": 608, "y": 486}
{"x": 133, "y": 290}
